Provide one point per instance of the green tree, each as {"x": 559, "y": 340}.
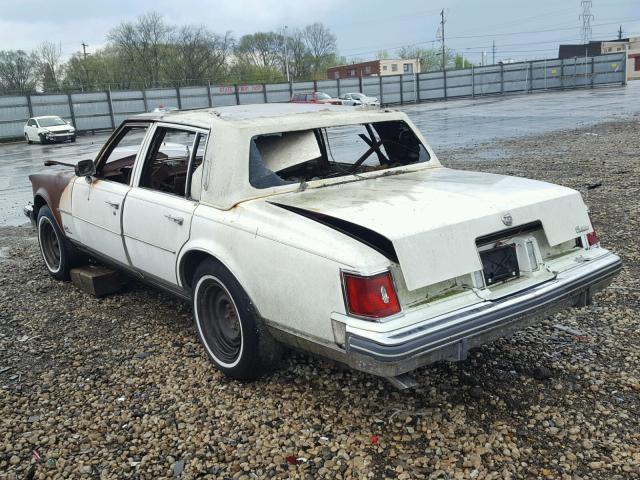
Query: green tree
{"x": 430, "y": 58}
{"x": 461, "y": 62}
{"x": 17, "y": 71}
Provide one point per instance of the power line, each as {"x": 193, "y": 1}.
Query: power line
{"x": 488, "y": 35}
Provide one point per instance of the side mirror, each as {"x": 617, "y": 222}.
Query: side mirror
{"x": 85, "y": 168}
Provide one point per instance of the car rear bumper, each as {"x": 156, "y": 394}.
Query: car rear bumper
{"x": 450, "y": 336}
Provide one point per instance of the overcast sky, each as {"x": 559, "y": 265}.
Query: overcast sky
{"x": 521, "y": 29}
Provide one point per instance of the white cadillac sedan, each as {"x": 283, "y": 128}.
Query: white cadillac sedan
{"x": 48, "y": 129}
{"x": 334, "y": 231}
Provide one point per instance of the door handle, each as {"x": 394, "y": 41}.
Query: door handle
{"x": 114, "y": 205}
{"x": 178, "y": 220}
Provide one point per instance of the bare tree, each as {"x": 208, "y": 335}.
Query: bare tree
{"x": 142, "y": 44}
{"x": 321, "y": 44}
{"x": 197, "y": 54}
{"x": 17, "y": 71}
{"x": 48, "y": 59}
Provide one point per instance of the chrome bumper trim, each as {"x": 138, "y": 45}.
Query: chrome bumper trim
{"x": 457, "y": 331}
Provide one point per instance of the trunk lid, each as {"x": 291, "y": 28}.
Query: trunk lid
{"x": 433, "y": 216}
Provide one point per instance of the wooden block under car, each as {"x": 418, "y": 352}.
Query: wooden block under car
{"x": 96, "y": 280}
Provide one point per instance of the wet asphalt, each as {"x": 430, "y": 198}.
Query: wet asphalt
{"x": 446, "y": 125}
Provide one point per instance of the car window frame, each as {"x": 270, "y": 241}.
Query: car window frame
{"x": 113, "y": 142}
{"x": 142, "y": 156}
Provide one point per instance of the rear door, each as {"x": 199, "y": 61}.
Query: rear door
{"x": 159, "y": 208}
{"x": 97, "y": 205}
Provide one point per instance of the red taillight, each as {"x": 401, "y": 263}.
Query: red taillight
{"x": 592, "y": 238}
{"x": 373, "y": 297}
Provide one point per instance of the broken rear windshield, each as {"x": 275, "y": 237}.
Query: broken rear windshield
{"x": 304, "y": 155}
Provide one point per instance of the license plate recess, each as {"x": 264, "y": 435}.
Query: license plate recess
{"x": 499, "y": 263}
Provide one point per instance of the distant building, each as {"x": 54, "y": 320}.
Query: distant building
{"x": 375, "y": 68}
{"x": 630, "y": 46}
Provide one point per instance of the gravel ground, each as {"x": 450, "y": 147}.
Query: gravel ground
{"x": 120, "y": 388}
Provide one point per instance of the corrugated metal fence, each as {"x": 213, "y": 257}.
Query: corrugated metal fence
{"x": 105, "y": 110}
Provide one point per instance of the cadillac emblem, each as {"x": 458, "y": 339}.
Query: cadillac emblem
{"x": 507, "y": 219}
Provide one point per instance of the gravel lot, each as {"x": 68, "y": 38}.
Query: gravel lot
{"x": 120, "y": 387}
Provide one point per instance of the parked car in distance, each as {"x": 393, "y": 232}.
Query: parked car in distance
{"x": 49, "y": 129}
{"x": 358, "y": 99}
{"x": 162, "y": 108}
{"x": 328, "y": 229}
{"x": 314, "y": 97}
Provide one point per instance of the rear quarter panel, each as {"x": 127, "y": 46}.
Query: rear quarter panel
{"x": 288, "y": 265}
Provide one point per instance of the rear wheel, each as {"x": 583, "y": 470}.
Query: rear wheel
{"x": 228, "y": 326}
{"x": 53, "y": 247}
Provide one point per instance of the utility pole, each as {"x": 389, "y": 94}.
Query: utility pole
{"x": 494, "y": 53}
{"x": 442, "y": 21}
{"x": 84, "y": 50}
{"x": 444, "y": 58}
{"x": 286, "y": 54}
{"x": 620, "y": 33}
{"x": 586, "y": 16}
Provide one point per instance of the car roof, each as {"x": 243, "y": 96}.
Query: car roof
{"x": 260, "y": 113}
{"x": 46, "y": 116}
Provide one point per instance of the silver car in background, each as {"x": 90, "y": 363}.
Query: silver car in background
{"x": 357, "y": 98}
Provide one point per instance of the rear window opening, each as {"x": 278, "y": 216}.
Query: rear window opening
{"x": 316, "y": 154}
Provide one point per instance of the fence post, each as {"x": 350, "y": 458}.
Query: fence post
{"x": 235, "y": 90}
{"x": 290, "y": 90}
{"x": 418, "y": 99}
{"x": 264, "y": 93}
{"x": 71, "y": 111}
{"x": 209, "y": 94}
{"x": 360, "y": 84}
{"x": 562, "y": 74}
{"x": 381, "y": 92}
{"x": 315, "y": 85}
{"x": 338, "y": 85}
{"x": 110, "y": 103}
{"x": 473, "y": 81}
{"x": 178, "y": 98}
{"x": 624, "y": 64}
{"x": 530, "y": 77}
{"x": 593, "y": 71}
{"x": 444, "y": 79}
{"x": 502, "y": 78}
{"x": 144, "y": 99}
{"x": 29, "y": 105}
{"x": 401, "y": 90}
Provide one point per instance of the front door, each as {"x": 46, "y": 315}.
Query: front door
{"x": 159, "y": 208}
{"x": 97, "y": 204}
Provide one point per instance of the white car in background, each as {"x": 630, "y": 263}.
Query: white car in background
{"x": 48, "y": 129}
{"x": 354, "y": 99}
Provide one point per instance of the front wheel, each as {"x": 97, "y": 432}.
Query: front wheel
{"x": 228, "y": 326}
{"x": 53, "y": 247}
{"x": 26, "y": 137}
